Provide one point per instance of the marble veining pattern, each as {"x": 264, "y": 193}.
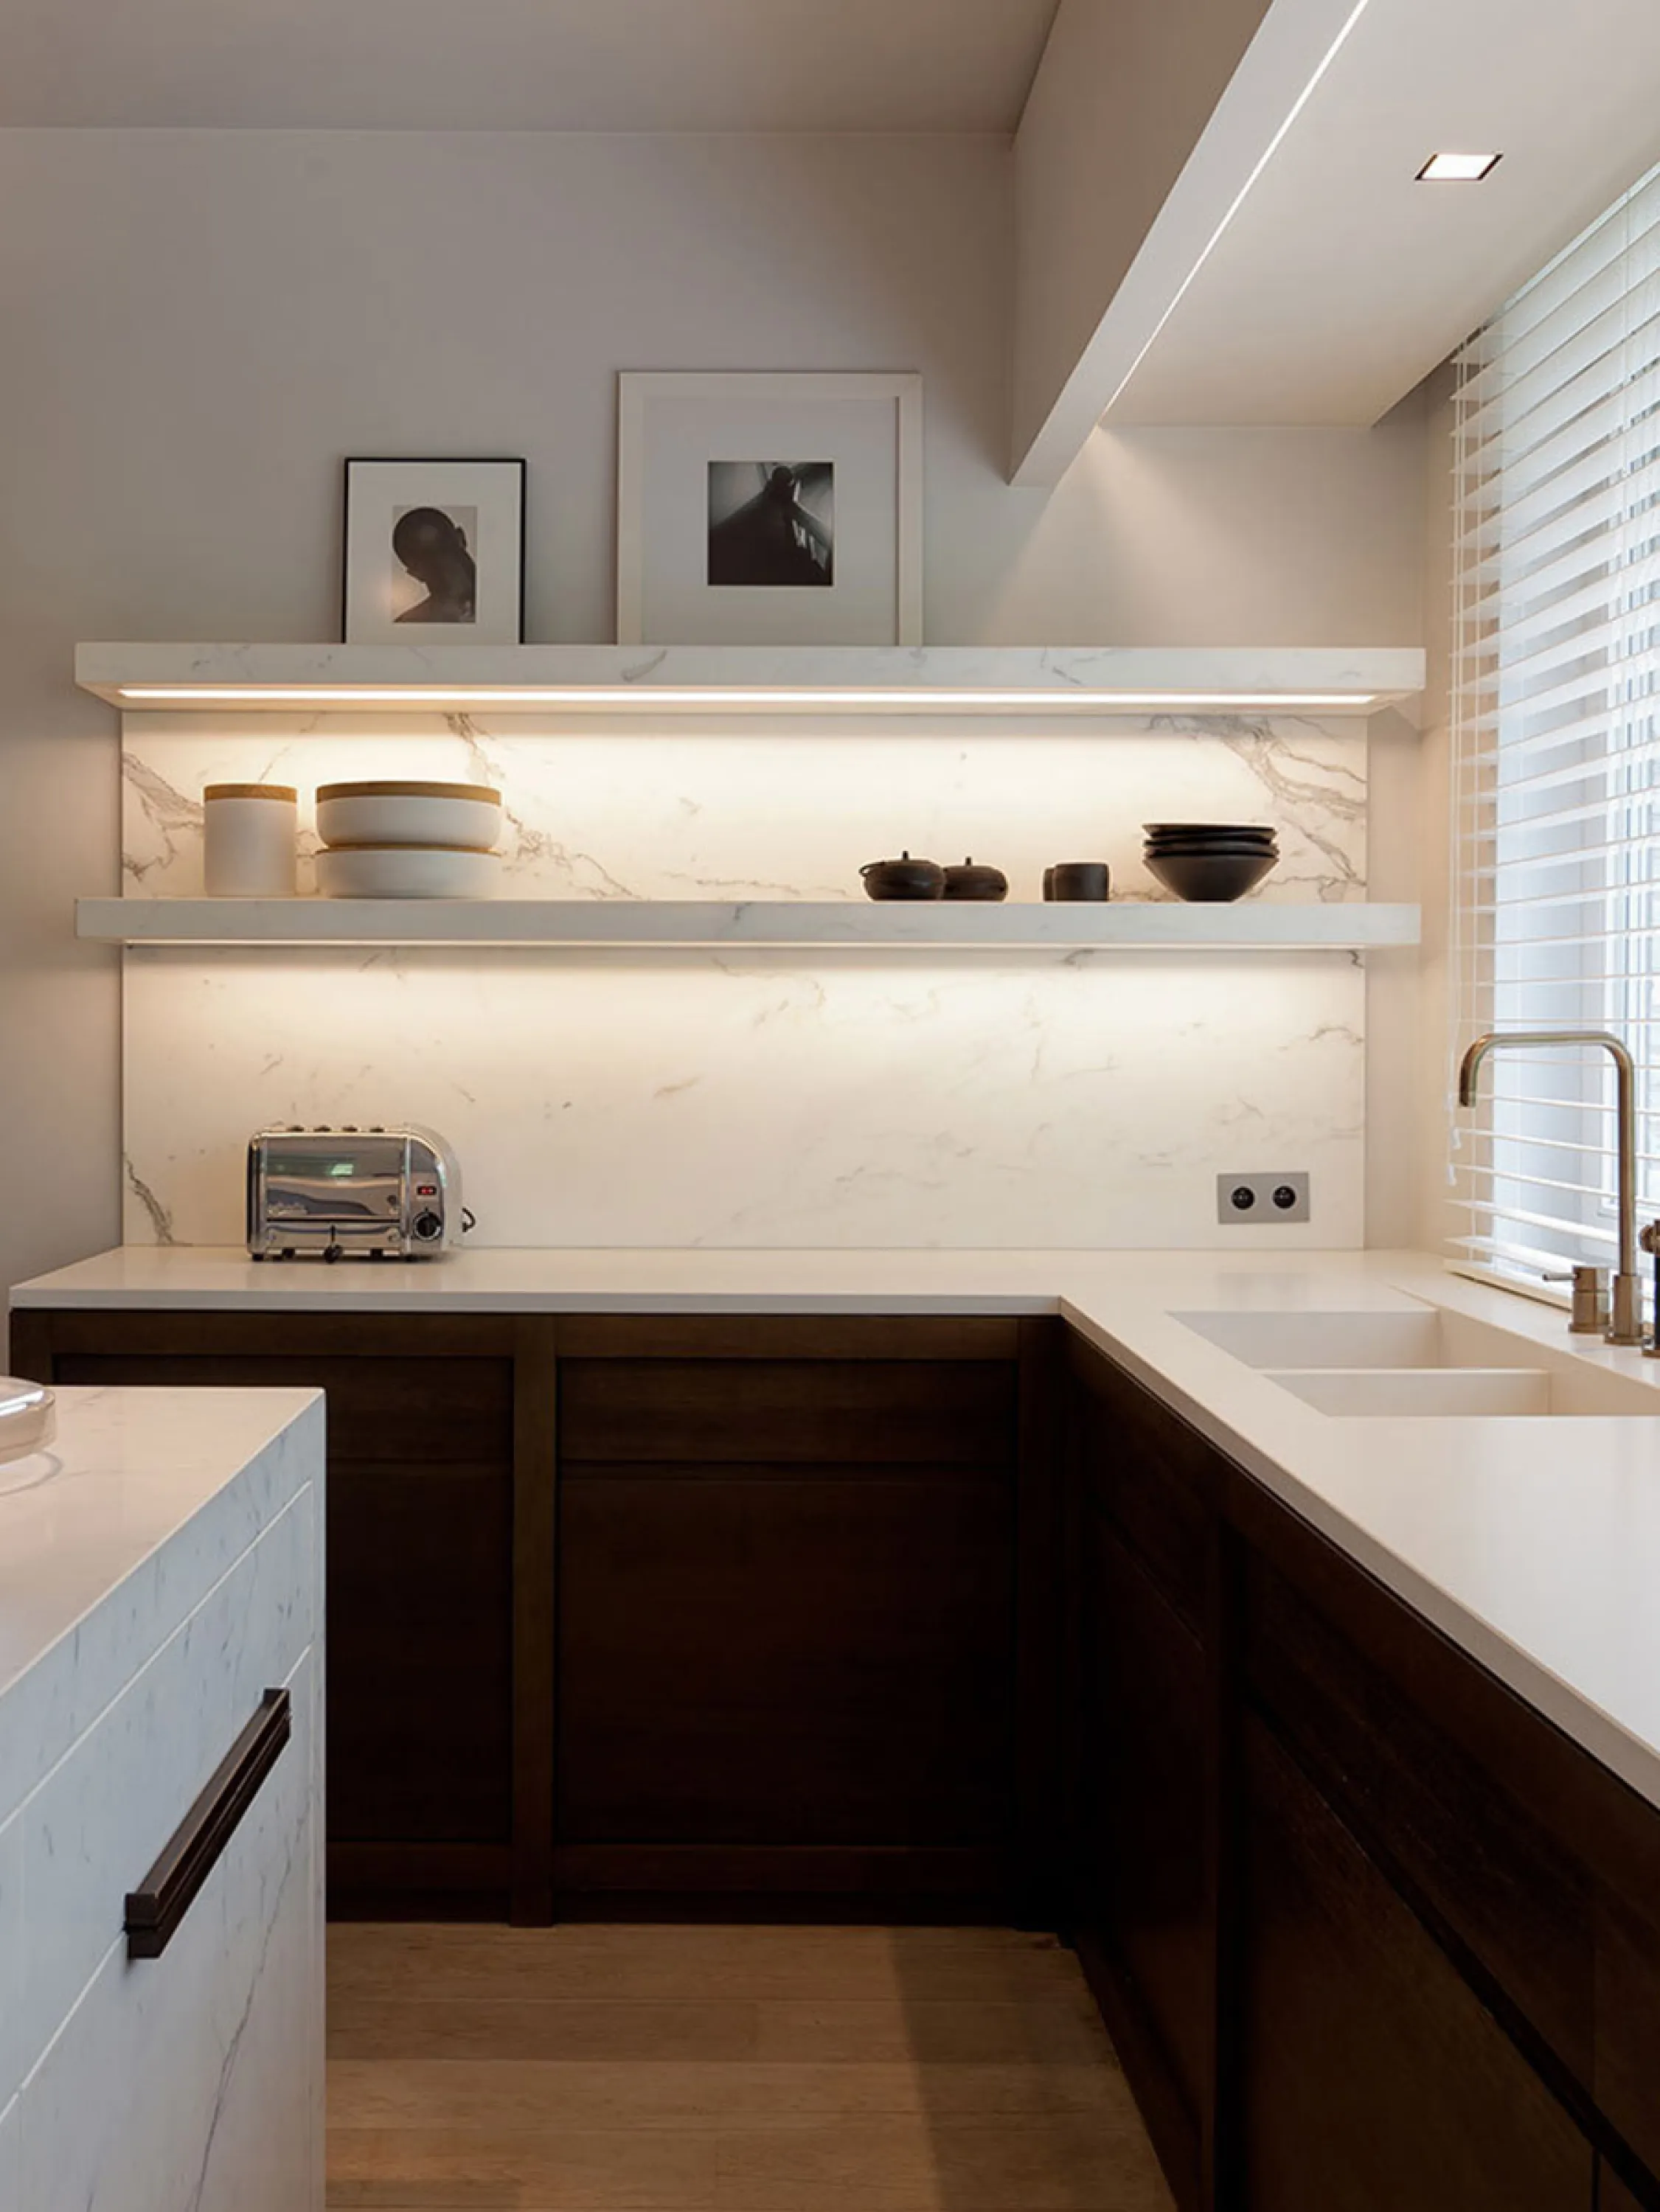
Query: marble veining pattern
{"x": 204, "y": 2101}
{"x": 753, "y": 1098}
{"x": 113, "y": 1555}
{"x": 107, "y": 1808}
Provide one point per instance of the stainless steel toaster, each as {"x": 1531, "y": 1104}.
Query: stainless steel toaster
{"x": 381, "y": 1191}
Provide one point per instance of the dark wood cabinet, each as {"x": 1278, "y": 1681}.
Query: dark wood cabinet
{"x": 905, "y": 1615}
{"x": 1371, "y": 2076}
{"x": 1368, "y": 1931}
{"x": 787, "y": 1653}
{"x": 662, "y": 1607}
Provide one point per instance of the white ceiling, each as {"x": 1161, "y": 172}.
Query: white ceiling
{"x": 523, "y": 64}
{"x": 1341, "y": 281}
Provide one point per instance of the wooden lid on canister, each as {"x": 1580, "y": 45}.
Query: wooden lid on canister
{"x": 480, "y": 791}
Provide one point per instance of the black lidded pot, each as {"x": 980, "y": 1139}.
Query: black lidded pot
{"x": 903, "y": 879}
{"x": 976, "y": 881}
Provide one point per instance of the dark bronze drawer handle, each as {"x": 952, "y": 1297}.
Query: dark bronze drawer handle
{"x": 155, "y": 1910}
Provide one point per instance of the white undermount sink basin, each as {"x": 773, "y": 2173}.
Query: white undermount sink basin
{"x": 1415, "y": 1365}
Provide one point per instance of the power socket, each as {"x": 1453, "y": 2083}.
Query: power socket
{"x": 1245, "y": 1200}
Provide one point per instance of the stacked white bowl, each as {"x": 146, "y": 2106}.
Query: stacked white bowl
{"x": 401, "y": 839}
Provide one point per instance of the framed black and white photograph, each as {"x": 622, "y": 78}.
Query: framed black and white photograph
{"x": 769, "y": 509}
{"x": 434, "y": 552}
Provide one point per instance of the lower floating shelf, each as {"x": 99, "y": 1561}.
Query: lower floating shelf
{"x": 925, "y": 924}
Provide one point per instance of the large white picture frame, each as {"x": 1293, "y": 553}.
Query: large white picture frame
{"x": 769, "y": 509}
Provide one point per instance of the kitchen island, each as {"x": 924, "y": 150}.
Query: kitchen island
{"x": 1021, "y": 1584}
{"x": 160, "y": 1575}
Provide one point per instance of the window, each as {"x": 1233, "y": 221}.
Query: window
{"x": 1556, "y": 720}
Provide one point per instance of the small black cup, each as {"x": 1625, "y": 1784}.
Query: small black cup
{"x": 1077, "y": 879}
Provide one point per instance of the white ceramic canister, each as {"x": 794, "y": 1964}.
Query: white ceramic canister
{"x": 250, "y": 832}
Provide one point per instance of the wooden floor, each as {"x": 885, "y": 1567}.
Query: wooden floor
{"x": 723, "y": 2070}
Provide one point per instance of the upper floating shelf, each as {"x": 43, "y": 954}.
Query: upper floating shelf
{"x": 642, "y": 922}
{"x": 732, "y": 680}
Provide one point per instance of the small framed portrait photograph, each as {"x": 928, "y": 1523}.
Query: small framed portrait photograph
{"x": 760, "y": 509}
{"x": 434, "y": 552}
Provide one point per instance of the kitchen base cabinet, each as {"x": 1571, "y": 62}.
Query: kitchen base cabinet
{"x": 638, "y": 1612}
{"x": 1370, "y": 1932}
{"x": 787, "y": 1618}
{"x": 1371, "y": 2076}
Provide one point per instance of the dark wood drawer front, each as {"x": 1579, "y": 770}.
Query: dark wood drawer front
{"x": 1374, "y": 2079}
{"x": 1143, "y": 1881}
{"x": 787, "y": 1336}
{"x": 810, "y": 1662}
{"x": 1157, "y": 1513}
{"x": 396, "y": 1412}
{"x": 730, "y": 1412}
{"x": 1480, "y": 1861}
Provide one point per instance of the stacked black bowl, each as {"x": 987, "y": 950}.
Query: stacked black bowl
{"x": 1209, "y": 862}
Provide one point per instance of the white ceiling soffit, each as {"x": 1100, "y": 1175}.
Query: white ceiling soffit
{"x": 522, "y": 64}
{"x": 1298, "y": 272}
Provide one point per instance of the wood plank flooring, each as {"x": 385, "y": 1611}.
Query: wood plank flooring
{"x": 588, "y": 2068}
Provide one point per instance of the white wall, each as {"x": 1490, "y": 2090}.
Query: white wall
{"x": 199, "y": 324}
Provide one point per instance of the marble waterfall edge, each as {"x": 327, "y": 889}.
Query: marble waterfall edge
{"x": 752, "y": 1098}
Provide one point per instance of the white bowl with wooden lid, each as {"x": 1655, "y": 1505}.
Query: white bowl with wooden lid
{"x": 459, "y": 816}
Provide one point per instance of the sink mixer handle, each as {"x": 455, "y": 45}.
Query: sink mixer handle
{"x": 1590, "y": 1299}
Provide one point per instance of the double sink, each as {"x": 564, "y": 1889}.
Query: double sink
{"x": 1420, "y": 1363}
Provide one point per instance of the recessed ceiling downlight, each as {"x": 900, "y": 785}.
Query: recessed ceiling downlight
{"x": 1458, "y": 168}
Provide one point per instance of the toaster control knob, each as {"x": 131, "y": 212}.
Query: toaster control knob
{"x": 428, "y": 1227}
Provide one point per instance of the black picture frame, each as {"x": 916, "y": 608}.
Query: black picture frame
{"x": 415, "y": 464}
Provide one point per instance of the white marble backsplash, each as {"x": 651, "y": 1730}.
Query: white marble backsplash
{"x": 690, "y": 1098}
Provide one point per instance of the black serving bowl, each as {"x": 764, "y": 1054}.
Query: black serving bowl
{"x": 1159, "y": 833}
{"x": 1210, "y": 878}
{"x": 1220, "y": 848}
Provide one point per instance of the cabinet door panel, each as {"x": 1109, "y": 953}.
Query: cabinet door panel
{"x": 1143, "y": 1790}
{"x": 420, "y": 1689}
{"x": 1479, "y": 1858}
{"x": 813, "y": 1661}
{"x": 1373, "y": 2079}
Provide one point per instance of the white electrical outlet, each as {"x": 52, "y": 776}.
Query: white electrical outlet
{"x": 1245, "y": 1200}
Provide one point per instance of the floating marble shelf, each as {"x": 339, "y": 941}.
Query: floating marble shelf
{"x": 642, "y": 922}
{"x": 732, "y": 680}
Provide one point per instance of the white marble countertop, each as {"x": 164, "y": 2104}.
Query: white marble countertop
{"x": 1533, "y": 1542}
{"x": 144, "y": 1499}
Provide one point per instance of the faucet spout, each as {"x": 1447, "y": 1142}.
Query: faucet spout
{"x": 1626, "y": 1319}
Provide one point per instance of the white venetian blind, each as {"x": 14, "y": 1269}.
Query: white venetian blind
{"x": 1556, "y": 715}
